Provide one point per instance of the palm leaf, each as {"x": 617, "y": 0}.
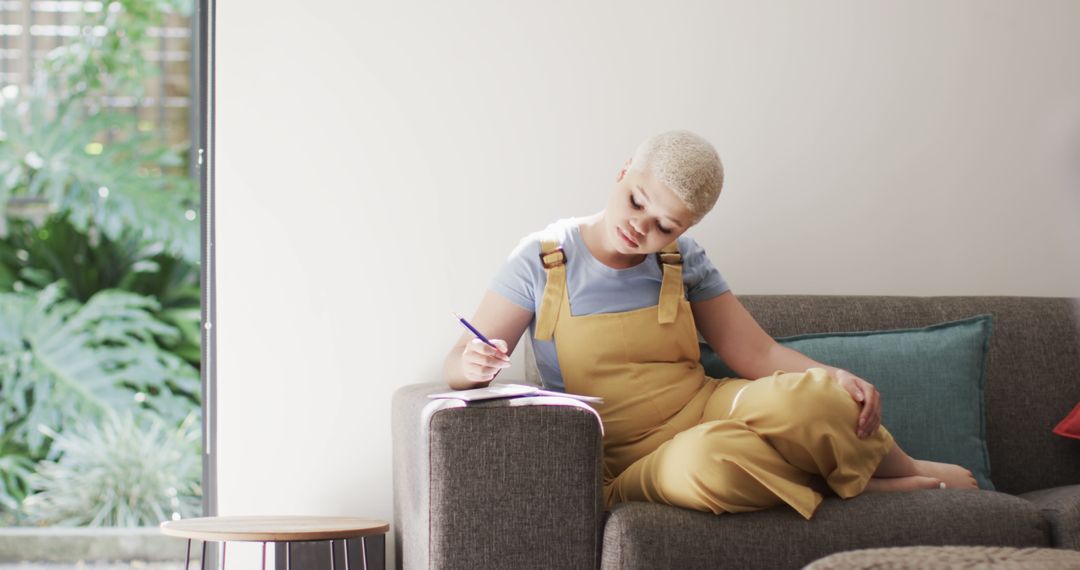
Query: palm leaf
{"x": 60, "y": 360}
{"x": 43, "y": 151}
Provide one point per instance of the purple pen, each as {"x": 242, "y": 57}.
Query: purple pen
{"x": 474, "y": 331}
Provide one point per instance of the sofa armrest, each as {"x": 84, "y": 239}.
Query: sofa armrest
{"x": 510, "y": 483}
{"x": 1060, "y": 506}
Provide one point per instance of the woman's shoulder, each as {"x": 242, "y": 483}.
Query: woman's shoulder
{"x": 695, "y": 259}
{"x": 560, "y": 232}
{"x": 688, "y": 246}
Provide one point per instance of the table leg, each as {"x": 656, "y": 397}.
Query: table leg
{"x": 187, "y": 557}
{"x": 223, "y": 545}
{"x": 202, "y": 563}
{"x": 346, "y": 543}
{"x": 264, "y": 556}
{"x": 363, "y": 552}
{"x": 288, "y": 556}
{"x": 333, "y": 561}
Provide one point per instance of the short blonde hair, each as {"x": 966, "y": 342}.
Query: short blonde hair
{"x": 686, "y": 163}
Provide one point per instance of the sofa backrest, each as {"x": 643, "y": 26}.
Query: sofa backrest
{"x": 1033, "y": 368}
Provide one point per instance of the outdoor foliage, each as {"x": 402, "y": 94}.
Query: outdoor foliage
{"x": 63, "y": 360}
{"x": 61, "y": 144}
{"x": 99, "y": 289}
{"x": 119, "y": 472}
{"x": 35, "y": 255}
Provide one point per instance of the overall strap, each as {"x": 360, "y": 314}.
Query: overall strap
{"x": 553, "y": 258}
{"x": 671, "y": 288}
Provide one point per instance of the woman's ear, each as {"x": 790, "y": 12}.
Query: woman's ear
{"x": 622, "y": 172}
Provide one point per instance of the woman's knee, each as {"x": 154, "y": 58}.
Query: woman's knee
{"x": 818, "y": 393}
{"x": 796, "y": 397}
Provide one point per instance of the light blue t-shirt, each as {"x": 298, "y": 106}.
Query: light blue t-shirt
{"x": 593, "y": 287}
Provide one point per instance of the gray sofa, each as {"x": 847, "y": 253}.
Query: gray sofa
{"x": 516, "y": 483}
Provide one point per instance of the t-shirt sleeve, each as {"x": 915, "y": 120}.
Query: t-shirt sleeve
{"x": 703, "y": 281}
{"x": 521, "y": 276}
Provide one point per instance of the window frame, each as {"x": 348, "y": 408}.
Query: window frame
{"x": 202, "y": 168}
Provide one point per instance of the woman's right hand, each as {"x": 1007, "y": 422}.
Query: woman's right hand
{"x": 471, "y": 363}
{"x": 482, "y": 363}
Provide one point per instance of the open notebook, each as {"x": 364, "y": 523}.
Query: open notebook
{"x": 495, "y": 391}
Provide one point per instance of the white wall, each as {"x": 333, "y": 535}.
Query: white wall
{"x": 376, "y": 162}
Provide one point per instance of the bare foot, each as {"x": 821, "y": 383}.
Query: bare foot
{"x": 954, "y": 476}
{"x": 912, "y": 483}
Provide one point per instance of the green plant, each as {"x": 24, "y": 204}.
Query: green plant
{"x": 61, "y": 361}
{"x": 124, "y": 471}
{"x": 61, "y": 142}
{"x": 35, "y": 255}
{"x": 48, "y": 152}
{"x": 99, "y": 247}
{"x": 15, "y": 472}
{"x": 113, "y": 62}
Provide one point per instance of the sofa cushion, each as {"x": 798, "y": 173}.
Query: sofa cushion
{"x": 1061, "y": 508}
{"x": 647, "y": 535}
{"x": 931, "y": 381}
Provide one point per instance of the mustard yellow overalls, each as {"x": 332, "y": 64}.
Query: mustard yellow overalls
{"x": 674, "y": 436}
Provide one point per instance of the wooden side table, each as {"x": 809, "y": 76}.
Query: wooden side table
{"x": 287, "y": 529}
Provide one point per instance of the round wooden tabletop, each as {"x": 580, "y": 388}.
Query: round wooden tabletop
{"x": 273, "y": 528}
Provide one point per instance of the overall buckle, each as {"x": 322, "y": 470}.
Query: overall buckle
{"x": 557, "y": 257}
{"x": 666, "y": 258}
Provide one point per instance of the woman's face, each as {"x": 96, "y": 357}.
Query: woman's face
{"x": 643, "y": 215}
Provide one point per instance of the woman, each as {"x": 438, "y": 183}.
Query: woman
{"x": 615, "y": 302}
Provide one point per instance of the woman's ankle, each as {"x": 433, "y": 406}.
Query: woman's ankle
{"x": 897, "y": 463}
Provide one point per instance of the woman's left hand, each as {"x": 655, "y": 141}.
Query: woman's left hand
{"x": 867, "y": 396}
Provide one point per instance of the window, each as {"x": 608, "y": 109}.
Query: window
{"x": 101, "y": 277}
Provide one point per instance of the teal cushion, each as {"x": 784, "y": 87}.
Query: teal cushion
{"x": 930, "y": 379}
